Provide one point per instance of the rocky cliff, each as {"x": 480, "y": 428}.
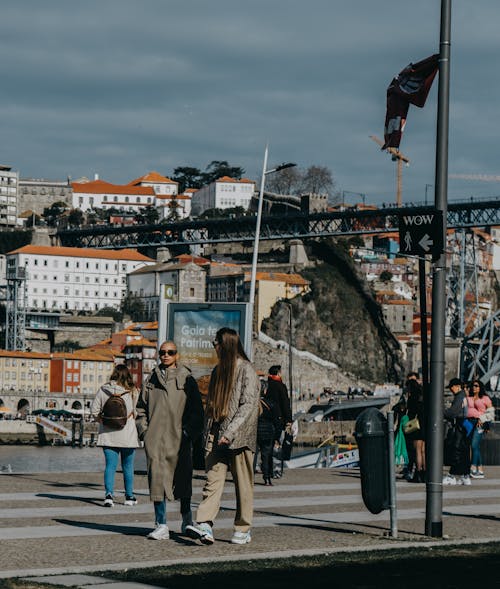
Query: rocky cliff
{"x": 339, "y": 320}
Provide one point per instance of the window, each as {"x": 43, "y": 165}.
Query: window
{"x": 66, "y": 264}
{"x": 97, "y": 280}
{"x": 66, "y": 278}
{"x": 45, "y": 262}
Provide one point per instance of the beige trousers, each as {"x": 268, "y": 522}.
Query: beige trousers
{"x": 240, "y": 463}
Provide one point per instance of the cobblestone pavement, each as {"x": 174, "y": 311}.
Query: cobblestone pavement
{"x": 56, "y": 524}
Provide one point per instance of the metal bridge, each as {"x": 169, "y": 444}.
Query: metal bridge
{"x": 477, "y": 213}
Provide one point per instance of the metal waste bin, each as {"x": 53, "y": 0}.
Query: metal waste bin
{"x": 371, "y": 436}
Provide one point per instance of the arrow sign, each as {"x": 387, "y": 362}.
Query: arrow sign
{"x": 425, "y": 243}
{"x": 421, "y": 232}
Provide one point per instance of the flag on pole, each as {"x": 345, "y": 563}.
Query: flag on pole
{"x": 410, "y": 86}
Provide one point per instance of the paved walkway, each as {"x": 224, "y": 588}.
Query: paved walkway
{"x": 54, "y": 524}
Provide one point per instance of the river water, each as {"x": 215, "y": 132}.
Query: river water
{"x": 31, "y": 459}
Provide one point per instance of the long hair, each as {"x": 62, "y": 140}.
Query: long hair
{"x": 121, "y": 375}
{"x": 223, "y": 376}
{"x": 482, "y": 388}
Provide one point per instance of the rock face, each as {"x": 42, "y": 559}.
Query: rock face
{"x": 339, "y": 320}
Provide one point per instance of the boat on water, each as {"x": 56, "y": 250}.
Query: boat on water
{"x": 328, "y": 456}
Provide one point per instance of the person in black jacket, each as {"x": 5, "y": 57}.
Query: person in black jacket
{"x": 278, "y": 394}
{"x": 268, "y": 434}
{"x": 460, "y": 459}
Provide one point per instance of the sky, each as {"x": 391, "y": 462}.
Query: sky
{"x": 122, "y": 87}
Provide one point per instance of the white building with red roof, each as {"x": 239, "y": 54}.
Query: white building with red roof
{"x": 98, "y": 194}
{"x": 75, "y": 279}
{"x": 224, "y": 193}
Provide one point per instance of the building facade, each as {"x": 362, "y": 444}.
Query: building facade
{"x": 35, "y": 195}
{"x": 9, "y": 181}
{"x": 75, "y": 279}
{"x": 224, "y": 193}
{"x": 98, "y": 194}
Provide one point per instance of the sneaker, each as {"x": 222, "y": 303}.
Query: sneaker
{"x": 130, "y": 500}
{"x": 464, "y": 480}
{"x": 187, "y": 520}
{"x": 241, "y": 538}
{"x": 477, "y": 474}
{"x": 449, "y": 480}
{"x": 159, "y": 533}
{"x": 108, "y": 500}
{"x": 202, "y": 532}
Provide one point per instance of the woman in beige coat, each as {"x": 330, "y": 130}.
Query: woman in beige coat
{"x": 118, "y": 443}
{"x": 231, "y": 433}
{"x": 169, "y": 419}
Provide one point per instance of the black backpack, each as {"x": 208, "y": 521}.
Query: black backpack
{"x": 114, "y": 412}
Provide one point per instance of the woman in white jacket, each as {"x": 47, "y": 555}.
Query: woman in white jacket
{"x": 118, "y": 443}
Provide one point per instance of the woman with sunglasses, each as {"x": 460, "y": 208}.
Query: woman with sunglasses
{"x": 232, "y": 412}
{"x": 169, "y": 418}
{"x": 478, "y": 402}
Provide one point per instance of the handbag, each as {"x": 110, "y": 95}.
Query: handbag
{"x": 413, "y": 425}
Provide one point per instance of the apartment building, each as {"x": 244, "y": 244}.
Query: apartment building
{"x": 75, "y": 279}
{"x": 224, "y": 193}
{"x": 9, "y": 181}
{"x": 98, "y": 194}
{"x": 80, "y": 372}
{"x": 28, "y": 371}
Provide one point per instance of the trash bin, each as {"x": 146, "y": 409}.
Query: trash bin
{"x": 371, "y": 436}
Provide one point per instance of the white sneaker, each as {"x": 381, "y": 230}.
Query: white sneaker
{"x": 464, "y": 480}
{"x": 159, "y": 533}
{"x": 202, "y": 532}
{"x": 187, "y": 520}
{"x": 241, "y": 538}
{"x": 108, "y": 500}
{"x": 130, "y": 500}
{"x": 449, "y": 480}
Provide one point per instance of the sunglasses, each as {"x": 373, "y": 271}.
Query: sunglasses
{"x": 167, "y": 352}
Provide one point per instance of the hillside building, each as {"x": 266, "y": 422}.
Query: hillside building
{"x": 75, "y": 279}
{"x": 224, "y": 193}
{"x": 9, "y": 181}
{"x": 35, "y": 195}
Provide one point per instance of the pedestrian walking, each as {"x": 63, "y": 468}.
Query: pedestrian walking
{"x": 457, "y": 439}
{"x": 268, "y": 434}
{"x": 169, "y": 419}
{"x": 231, "y": 433}
{"x": 117, "y": 441}
{"x": 415, "y": 405}
{"x": 479, "y": 404}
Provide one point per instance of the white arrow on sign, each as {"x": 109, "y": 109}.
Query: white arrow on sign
{"x": 426, "y": 242}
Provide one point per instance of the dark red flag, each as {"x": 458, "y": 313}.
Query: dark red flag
{"x": 410, "y": 86}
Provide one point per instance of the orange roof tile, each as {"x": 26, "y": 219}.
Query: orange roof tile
{"x": 173, "y": 197}
{"x": 241, "y": 181}
{"x": 142, "y": 341}
{"x": 17, "y": 354}
{"x": 280, "y": 277}
{"x": 188, "y": 258}
{"x": 152, "y": 177}
{"x": 81, "y": 252}
{"x": 102, "y": 187}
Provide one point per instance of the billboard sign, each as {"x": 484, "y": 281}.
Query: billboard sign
{"x": 192, "y": 326}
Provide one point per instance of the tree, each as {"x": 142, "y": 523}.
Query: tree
{"x": 53, "y": 213}
{"x": 386, "y": 276}
{"x": 147, "y": 215}
{"x": 76, "y": 217}
{"x": 218, "y": 168}
{"x": 116, "y": 314}
{"x": 317, "y": 180}
{"x": 187, "y": 177}
{"x": 67, "y": 345}
{"x": 232, "y": 212}
{"x": 287, "y": 181}
{"x": 133, "y": 307}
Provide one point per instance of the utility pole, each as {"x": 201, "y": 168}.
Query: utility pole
{"x": 434, "y": 491}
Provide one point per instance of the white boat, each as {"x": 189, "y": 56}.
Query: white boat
{"x": 325, "y": 458}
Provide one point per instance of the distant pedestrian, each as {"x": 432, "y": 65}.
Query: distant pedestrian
{"x": 268, "y": 434}
{"x": 479, "y": 403}
{"x": 118, "y": 443}
{"x": 169, "y": 419}
{"x": 231, "y": 433}
{"x": 460, "y": 451}
{"x": 415, "y": 406}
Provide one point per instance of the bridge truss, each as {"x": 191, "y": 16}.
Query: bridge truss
{"x": 283, "y": 227}
{"x": 481, "y": 353}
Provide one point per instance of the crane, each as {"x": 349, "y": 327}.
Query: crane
{"x": 398, "y": 157}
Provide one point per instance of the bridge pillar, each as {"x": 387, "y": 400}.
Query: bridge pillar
{"x": 298, "y": 256}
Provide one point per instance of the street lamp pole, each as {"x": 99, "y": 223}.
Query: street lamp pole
{"x": 253, "y": 275}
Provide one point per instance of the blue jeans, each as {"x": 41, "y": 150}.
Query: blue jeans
{"x": 127, "y": 457}
{"x": 160, "y": 512}
{"x": 476, "y": 447}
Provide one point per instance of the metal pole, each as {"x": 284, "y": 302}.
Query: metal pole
{"x": 423, "y": 325}
{"x": 290, "y": 358}
{"x": 256, "y": 244}
{"x": 435, "y": 430}
{"x": 392, "y": 475}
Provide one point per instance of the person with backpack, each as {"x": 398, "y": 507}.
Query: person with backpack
{"x": 169, "y": 420}
{"x": 114, "y": 408}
